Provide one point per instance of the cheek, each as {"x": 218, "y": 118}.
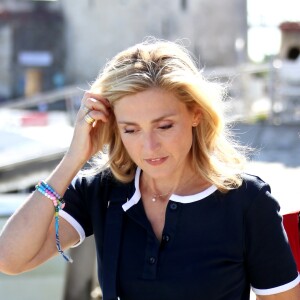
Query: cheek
{"x": 184, "y": 141}
{"x": 129, "y": 145}
{"x": 186, "y": 144}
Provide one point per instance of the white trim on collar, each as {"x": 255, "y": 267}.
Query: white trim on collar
{"x": 195, "y": 197}
{"x": 137, "y": 194}
{"x": 182, "y": 199}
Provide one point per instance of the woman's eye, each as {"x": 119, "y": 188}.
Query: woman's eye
{"x": 166, "y": 126}
{"x": 129, "y": 131}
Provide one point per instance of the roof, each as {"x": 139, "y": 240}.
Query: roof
{"x": 290, "y": 26}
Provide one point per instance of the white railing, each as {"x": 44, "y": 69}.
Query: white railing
{"x": 70, "y": 95}
{"x": 256, "y": 92}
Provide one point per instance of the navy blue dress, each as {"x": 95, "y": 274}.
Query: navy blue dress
{"x": 214, "y": 245}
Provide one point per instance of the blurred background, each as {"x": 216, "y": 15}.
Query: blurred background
{"x": 51, "y": 50}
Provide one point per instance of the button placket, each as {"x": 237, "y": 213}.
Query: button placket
{"x": 166, "y": 238}
{"x": 173, "y": 206}
{"x": 172, "y": 215}
{"x": 151, "y": 257}
{"x": 137, "y": 214}
{"x": 152, "y": 260}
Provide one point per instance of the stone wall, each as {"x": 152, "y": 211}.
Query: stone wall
{"x": 97, "y": 30}
{"x": 34, "y": 32}
{"x": 5, "y": 59}
{"x": 94, "y": 31}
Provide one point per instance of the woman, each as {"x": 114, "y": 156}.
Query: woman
{"x": 173, "y": 214}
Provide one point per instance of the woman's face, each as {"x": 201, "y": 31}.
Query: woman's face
{"x": 156, "y": 130}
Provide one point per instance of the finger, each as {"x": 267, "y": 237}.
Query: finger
{"x": 85, "y": 109}
{"x": 92, "y": 111}
{"x": 96, "y": 97}
{"x": 99, "y": 115}
{"x": 95, "y": 104}
{"x": 88, "y": 119}
{"x": 95, "y": 116}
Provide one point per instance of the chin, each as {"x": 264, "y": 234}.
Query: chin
{"x": 159, "y": 172}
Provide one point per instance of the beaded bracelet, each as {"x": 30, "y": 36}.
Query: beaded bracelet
{"x": 59, "y": 203}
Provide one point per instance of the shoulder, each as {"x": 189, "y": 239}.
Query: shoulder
{"x": 252, "y": 192}
{"x": 251, "y": 187}
{"x": 100, "y": 184}
{"x": 257, "y": 196}
{"x": 253, "y": 184}
{"x": 90, "y": 187}
{"x": 103, "y": 178}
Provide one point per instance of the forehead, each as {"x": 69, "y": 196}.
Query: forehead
{"x": 149, "y": 104}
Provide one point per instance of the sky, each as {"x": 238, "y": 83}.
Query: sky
{"x": 264, "y": 17}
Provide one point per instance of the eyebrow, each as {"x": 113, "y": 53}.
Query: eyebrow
{"x": 153, "y": 121}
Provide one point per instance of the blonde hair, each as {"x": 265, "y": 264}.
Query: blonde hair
{"x": 169, "y": 66}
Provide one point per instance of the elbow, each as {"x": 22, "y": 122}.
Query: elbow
{"x": 9, "y": 270}
{"x": 9, "y": 267}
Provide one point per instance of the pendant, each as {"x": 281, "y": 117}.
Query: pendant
{"x": 153, "y": 199}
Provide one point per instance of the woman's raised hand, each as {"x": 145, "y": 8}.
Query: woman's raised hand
{"x": 94, "y": 111}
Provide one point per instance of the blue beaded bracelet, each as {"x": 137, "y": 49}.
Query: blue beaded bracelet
{"x": 59, "y": 203}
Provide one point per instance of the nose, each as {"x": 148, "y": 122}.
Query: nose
{"x": 151, "y": 142}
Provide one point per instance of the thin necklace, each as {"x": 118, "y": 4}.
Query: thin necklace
{"x": 158, "y": 196}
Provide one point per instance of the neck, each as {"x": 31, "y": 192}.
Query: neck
{"x": 161, "y": 189}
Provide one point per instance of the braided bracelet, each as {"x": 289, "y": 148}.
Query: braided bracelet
{"x": 59, "y": 203}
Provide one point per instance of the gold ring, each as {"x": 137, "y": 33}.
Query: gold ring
{"x": 85, "y": 109}
{"x": 89, "y": 119}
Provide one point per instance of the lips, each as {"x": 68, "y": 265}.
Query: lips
{"x": 156, "y": 161}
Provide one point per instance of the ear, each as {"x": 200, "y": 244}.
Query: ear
{"x": 196, "y": 117}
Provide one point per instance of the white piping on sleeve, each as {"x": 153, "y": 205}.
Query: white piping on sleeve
{"x": 278, "y": 289}
{"x": 75, "y": 225}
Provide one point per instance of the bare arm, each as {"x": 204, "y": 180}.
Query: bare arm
{"x": 28, "y": 238}
{"x": 29, "y": 229}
